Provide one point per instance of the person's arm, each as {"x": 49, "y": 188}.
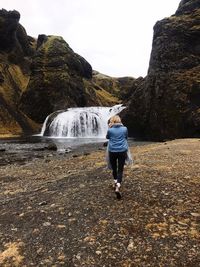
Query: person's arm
{"x": 126, "y": 134}
{"x": 108, "y": 135}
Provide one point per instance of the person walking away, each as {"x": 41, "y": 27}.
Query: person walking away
{"x": 117, "y": 150}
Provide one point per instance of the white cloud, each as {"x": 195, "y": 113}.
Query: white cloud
{"x": 115, "y": 36}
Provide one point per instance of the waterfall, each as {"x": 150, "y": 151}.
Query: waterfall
{"x": 87, "y": 122}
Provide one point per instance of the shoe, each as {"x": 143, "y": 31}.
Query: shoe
{"x": 119, "y": 185}
{"x": 117, "y": 192}
{"x": 115, "y": 184}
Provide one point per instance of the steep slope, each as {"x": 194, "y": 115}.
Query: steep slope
{"x": 40, "y": 76}
{"x": 121, "y": 87}
{"x": 59, "y": 79}
{"x": 167, "y": 104}
{"x": 15, "y": 53}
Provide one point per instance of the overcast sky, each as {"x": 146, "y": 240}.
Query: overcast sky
{"x": 114, "y": 36}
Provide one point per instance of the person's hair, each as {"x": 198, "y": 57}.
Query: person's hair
{"x": 115, "y": 119}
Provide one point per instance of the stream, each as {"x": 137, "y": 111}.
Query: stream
{"x": 20, "y": 150}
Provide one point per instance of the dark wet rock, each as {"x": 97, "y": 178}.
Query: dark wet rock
{"x": 187, "y": 6}
{"x": 51, "y": 147}
{"x": 14, "y": 39}
{"x": 127, "y": 86}
{"x": 75, "y": 155}
{"x": 166, "y": 104}
{"x": 8, "y": 28}
{"x": 1, "y": 78}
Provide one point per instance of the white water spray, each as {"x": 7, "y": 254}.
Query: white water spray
{"x": 87, "y": 122}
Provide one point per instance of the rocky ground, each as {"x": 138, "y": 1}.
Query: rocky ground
{"x": 61, "y": 210}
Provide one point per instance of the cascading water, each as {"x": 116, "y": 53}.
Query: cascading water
{"x": 87, "y": 122}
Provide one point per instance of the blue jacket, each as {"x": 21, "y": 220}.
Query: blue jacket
{"x": 117, "y": 136}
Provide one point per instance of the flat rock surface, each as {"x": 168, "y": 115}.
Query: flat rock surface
{"x": 62, "y": 210}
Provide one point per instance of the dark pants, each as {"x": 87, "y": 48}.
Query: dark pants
{"x": 117, "y": 161}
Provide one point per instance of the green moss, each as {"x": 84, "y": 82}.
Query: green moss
{"x": 19, "y": 77}
{"x": 50, "y": 42}
{"x": 106, "y": 97}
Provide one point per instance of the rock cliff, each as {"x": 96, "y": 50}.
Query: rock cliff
{"x": 167, "y": 104}
{"x": 40, "y": 76}
{"x": 15, "y": 52}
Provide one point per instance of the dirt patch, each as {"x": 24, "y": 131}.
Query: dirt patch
{"x": 65, "y": 213}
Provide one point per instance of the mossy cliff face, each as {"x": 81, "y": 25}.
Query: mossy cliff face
{"x": 167, "y": 104}
{"x": 15, "y": 53}
{"x": 59, "y": 79}
{"x": 56, "y": 79}
{"x": 121, "y": 87}
{"x": 40, "y": 76}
